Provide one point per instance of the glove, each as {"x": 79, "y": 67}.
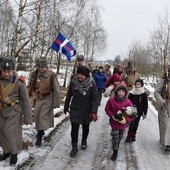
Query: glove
{"x": 144, "y": 116}
{"x": 123, "y": 121}
{"x": 118, "y": 116}
{"x": 93, "y": 117}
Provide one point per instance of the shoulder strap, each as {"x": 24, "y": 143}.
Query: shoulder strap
{"x": 45, "y": 84}
{"x": 5, "y": 92}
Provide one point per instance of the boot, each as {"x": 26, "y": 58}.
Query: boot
{"x": 39, "y": 137}
{"x": 4, "y": 156}
{"x": 167, "y": 149}
{"x": 38, "y": 141}
{"x": 83, "y": 144}
{"x": 133, "y": 135}
{"x": 128, "y": 139}
{"x": 13, "y": 159}
{"x": 114, "y": 155}
{"x": 133, "y": 139}
{"x": 74, "y": 150}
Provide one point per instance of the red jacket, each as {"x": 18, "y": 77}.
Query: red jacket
{"x": 112, "y": 107}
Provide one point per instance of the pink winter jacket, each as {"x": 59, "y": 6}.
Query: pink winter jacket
{"x": 112, "y": 107}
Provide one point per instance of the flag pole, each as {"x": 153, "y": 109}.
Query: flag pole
{"x": 47, "y": 52}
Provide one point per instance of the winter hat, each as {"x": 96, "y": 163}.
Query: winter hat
{"x": 100, "y": 67}
{"x": 140, "y": 81}
{"x": 116, "y": 77}
{"x": 121, "y": 87}
{"x": 80, "y": 58}
{"x": 41, "y": 62}
{"x": 83, "y": 70}
{"x": 7, "y": 63}
{"x": 131, "y": 64}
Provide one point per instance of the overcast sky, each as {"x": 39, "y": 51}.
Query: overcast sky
{"x": 126, "y": 21}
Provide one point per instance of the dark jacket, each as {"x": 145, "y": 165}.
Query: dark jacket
{"x": 140, "y": 101}
{"x": 81, "y": 106}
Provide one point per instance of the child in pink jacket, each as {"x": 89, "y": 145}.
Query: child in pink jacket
{"x": 118, "y": 122}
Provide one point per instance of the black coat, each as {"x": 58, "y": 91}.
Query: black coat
{"x": 81, "y": 106}
{"x": 140, "y": 101}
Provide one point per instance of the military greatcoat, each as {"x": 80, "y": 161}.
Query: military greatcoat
{"x": 46, "y": 100}
{"x": 12, "y": 117}
{"x": 163, "y": 115}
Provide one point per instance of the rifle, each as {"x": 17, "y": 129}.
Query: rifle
{"x": 20, "y": 48}
{"x": 31, "y": 87}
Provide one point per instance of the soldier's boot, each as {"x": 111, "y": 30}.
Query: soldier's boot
{"x": 114, "y": 155}
{"x": 39, "y": 137}
{"x": 74, "y": 150}
{"x": 167, "y": 149}
{"x": 4, "y": 156}
{"x": 13, "y": 159}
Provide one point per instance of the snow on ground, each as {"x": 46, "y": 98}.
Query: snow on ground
{"x": 144, "y": 154}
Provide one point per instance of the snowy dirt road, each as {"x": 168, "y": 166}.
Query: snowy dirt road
{"x": 144, "y": 154}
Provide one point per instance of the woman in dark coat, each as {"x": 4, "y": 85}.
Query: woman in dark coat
{"x": 81, "y": 102}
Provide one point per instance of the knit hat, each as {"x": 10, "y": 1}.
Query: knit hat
{"x": 121, "y": 87}
{"x": 140, "y": 81}
{"x": 83, "y": 70}
{"x": 7, "y": 63}
{"x": 116, "y": 77}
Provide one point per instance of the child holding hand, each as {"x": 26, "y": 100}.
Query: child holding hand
{"x": 118, "y": 122}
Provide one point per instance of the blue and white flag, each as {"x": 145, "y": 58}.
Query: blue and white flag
{"x": 62, "y": 44}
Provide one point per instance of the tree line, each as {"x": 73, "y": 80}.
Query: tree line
{"x": 149, "y": 56}
{"x": 40, "y": 21}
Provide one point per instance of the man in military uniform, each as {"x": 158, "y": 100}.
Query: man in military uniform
{"x": 14, "y": 108}
{"x": 45, "y": 87}
{"x": 79, "y": 62}
{"x": 162, "y": 96}
{"x": 130, "y": 75}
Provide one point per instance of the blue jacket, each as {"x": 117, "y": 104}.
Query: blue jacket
{"x": 100, "y": 78}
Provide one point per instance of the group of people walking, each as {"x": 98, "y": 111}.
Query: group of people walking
{"x": 84, "y": 95}
{"x": 124, "y": 89}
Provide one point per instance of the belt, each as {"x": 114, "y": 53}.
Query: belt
{"x": 5, "y": 105}
{"x": 44, "y": 94}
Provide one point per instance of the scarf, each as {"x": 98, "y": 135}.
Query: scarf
{"x": 137, "y": 91}
{"x": 117, "y": 98}
{"x": 82, "y": 87}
